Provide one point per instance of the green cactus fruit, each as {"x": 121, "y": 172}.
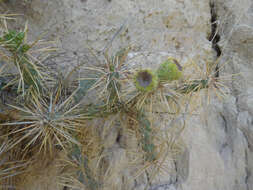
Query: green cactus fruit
{"x": 146, "y": 80}
{"x": 169, "y": 70}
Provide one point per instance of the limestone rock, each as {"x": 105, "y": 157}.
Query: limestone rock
{"x": 219, "y": 138}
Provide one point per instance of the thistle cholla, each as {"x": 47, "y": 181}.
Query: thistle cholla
{"x": 145, "y": 80}
{"x": 169, "y": 70}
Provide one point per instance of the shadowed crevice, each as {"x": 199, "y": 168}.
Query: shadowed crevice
{"x": 215, "y": 37}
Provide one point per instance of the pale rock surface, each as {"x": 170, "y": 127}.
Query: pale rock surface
{"x": 235, "y": 29}
{"x": 219, "y": 140}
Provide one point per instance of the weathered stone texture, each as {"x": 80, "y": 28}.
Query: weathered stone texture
{"x": 219, "y": 141}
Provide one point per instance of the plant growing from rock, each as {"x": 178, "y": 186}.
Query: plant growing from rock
{"x": 28, "y": 72}
{"x": 53, "y": 116}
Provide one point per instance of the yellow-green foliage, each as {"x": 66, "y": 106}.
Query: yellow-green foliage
{"x": 28, "y": 71}
{"x": 147, "y": 137}
{"x": 169, "y": 71}
{"x": 146, "y": 80}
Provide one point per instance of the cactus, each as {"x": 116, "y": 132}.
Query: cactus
{"x": 84, "y": 173}
{"x": 147, "y": 137}
{"x": 146, "y": 80}
{"x": 169, "y": 70}
{"x": 29, "y": 74}
{"x": 193, "y": 86}
{"x": 54, "y": 117}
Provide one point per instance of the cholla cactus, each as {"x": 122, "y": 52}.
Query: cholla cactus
{"x": 169, "y": 70}
{"x": 56, "y": 118}
{"x": 145, "y": 80}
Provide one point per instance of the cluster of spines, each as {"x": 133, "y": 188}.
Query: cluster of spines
{"x": 145, "y": 80}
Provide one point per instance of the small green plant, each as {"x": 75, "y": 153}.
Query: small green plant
{"x": 145, "y": 80}
{"x": 193, "y": 86}
{"x": 14, "y": 42}
{"x": 147, "y": 135}
{"x": 169, "y": 70}
{"x": 29, "y": 75}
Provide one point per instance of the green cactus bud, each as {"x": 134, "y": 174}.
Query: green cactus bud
{"x": 169, "y": 70}
{"x": 145, "y": 80}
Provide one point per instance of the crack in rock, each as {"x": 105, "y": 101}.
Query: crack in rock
{"x": 215, "y": 37}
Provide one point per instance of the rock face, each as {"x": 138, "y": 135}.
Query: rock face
{"x": 219, "y": 139}
{"x": 235, "y": 29}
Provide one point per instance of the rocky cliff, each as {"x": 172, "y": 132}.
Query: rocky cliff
{"x": 218, "y": 137}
